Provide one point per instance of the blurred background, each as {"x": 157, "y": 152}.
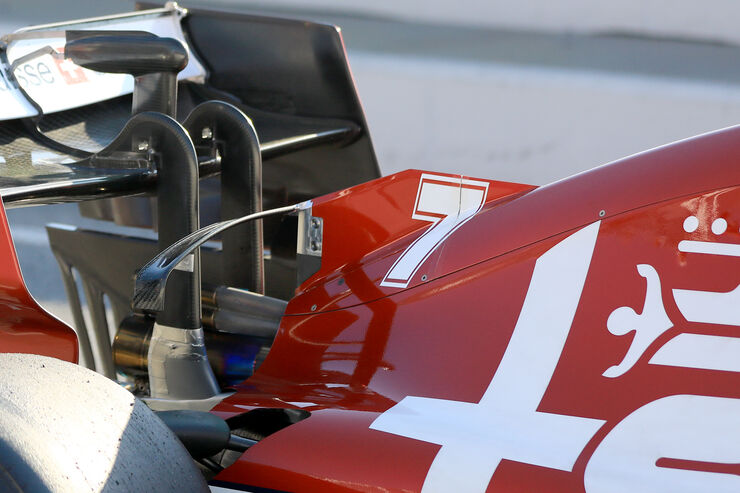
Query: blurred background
{"x": 528, "y": 91}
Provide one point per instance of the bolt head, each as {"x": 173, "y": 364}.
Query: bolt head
{"x": 143, "y": 145}
{"x": 206, "y": 133}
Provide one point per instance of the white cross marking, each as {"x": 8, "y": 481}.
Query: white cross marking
{"x": 68, "y": 65}
{"x": 505, "y": 424}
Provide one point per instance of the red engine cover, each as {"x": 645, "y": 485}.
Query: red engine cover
{"x": 579, "y": 337}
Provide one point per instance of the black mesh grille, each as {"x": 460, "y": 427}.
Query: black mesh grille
{"x": 25, "y": 161}
{"x": 89, "y": 128}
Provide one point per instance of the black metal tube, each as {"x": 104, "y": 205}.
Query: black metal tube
{"x": 177, "y": 217}
{"x": 241, "y": 301}
{"x": 239, "y": 444}
{"x": 153, "y": 61}
{"x": 155, "y": 92}
{"x": 241, "y": 188}
{"x": 232, "y": 322}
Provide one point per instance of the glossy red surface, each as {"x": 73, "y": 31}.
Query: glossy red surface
{"x": 368, "y": 347}
{"x": 25, "y": 327}
{"x": 365, "y": 229}
{"x": 688, "y": 167}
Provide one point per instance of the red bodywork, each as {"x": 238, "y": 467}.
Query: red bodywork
{"x": 353, "y": 350}
{"x": 24, "y": 326}
{"x": 349, "y": 349}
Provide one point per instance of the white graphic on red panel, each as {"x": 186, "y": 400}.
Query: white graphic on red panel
{"x": 706, "y": 306}
{"x": 704, "y": 351}
{"x": 684, "y": 427}
{"x": 648, "y": 325}
{"x": 505, "y": 423}
{"x": 719, "y": 226}
{"x": 447, "y": 203}
{"x": 686, "y": 350}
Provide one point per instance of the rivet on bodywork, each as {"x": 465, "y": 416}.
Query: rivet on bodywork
{"x": 602, "y": 213}
{"x": 313, "y": 308}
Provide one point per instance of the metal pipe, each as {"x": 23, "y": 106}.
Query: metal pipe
{"x": 239, "y": 444}
{"x": 233, "y": 357}
{"x": 240, "y": 300}
{"x": 217, "y": 122}
{"x": 241, "y": 323}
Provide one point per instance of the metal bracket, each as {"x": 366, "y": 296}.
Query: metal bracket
{"x": 310, "y": 244}
{"x": 310, "y": 233}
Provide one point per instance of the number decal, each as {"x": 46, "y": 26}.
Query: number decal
{"x": 447, "y": 203}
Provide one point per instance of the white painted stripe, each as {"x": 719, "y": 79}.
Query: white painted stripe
{"x": 709, "y": 247}
{"x": 221, "y": 489}
{"x": 705, "y": 352}
{"x": 707, "y": 307}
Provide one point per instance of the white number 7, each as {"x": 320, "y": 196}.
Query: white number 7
{"x": 447, "y": 203}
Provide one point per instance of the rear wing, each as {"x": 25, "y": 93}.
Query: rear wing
{"x": 61, "y": 125}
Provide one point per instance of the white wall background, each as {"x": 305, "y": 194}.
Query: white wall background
{"x": 702, "y": 19}
{"x": 533, "y": 125}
